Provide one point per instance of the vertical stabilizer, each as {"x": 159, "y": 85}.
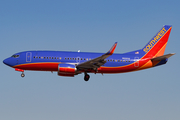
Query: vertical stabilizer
{"x": 156, "y": 46}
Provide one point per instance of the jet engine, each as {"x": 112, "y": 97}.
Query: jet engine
{"x": 66, "y": 70}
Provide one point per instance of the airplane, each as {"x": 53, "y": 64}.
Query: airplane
{"x": 73, "y": 63}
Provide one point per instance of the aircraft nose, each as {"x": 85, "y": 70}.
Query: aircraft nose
{"x": 7, "y": 62}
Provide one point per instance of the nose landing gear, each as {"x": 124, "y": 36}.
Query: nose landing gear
{"x": 22, "y": 75}
{"x": 20, "y": 70}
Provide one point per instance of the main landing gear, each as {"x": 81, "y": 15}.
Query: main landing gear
{"x": 86, "y": 77}
{"x": 22, "y": 75}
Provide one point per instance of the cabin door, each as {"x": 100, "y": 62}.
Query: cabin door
{"x": 136, "y": 64}
{"x": 28, "y": 56}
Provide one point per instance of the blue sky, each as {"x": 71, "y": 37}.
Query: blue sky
{"x": 89, "y": 26}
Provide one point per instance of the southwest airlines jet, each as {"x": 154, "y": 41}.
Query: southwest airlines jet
{"x": 73, "y": 63}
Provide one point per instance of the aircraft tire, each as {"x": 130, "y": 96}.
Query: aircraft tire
{"x": 86, "y": 77}
{"x": 22, "y": 75}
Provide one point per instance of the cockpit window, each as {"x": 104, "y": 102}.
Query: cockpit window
{"x": 15, "y": 56}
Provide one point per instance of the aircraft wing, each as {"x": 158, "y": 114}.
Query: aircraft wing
{"x": 96, "y": 62}
{"x": 162, "y": 57}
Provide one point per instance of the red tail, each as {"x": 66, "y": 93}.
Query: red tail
{"x": 157, "y": 44}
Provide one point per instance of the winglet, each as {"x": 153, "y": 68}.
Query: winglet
{"x": 111, "y": 51}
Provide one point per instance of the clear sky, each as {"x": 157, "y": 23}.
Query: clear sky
{"x": 89, "y": 26}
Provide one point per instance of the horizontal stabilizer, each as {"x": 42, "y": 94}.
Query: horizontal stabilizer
{"x": 162, "y": 57}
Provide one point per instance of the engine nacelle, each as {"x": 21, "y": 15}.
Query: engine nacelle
{"x": 66, "y": 70}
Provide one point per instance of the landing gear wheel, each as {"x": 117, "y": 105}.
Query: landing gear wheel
{"x": 86, "y": 77}
{"x": 22, "y": 75}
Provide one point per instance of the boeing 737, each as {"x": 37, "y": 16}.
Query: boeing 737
{"x": 74, "y": 63}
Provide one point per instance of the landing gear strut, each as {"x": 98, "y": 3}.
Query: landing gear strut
{"x": 86, "y": 77}
{"x": 22, "y": 75}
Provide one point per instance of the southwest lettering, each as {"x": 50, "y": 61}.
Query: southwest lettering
{"x": 154, "y": 40}
{"x": 157, "y": 37}
{"x": 145, "y": 50}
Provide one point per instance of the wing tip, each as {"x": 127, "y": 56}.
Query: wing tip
{"x": 111, "y": 51}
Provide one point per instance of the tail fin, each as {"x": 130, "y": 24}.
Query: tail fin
{"x": 156, "y": 46}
